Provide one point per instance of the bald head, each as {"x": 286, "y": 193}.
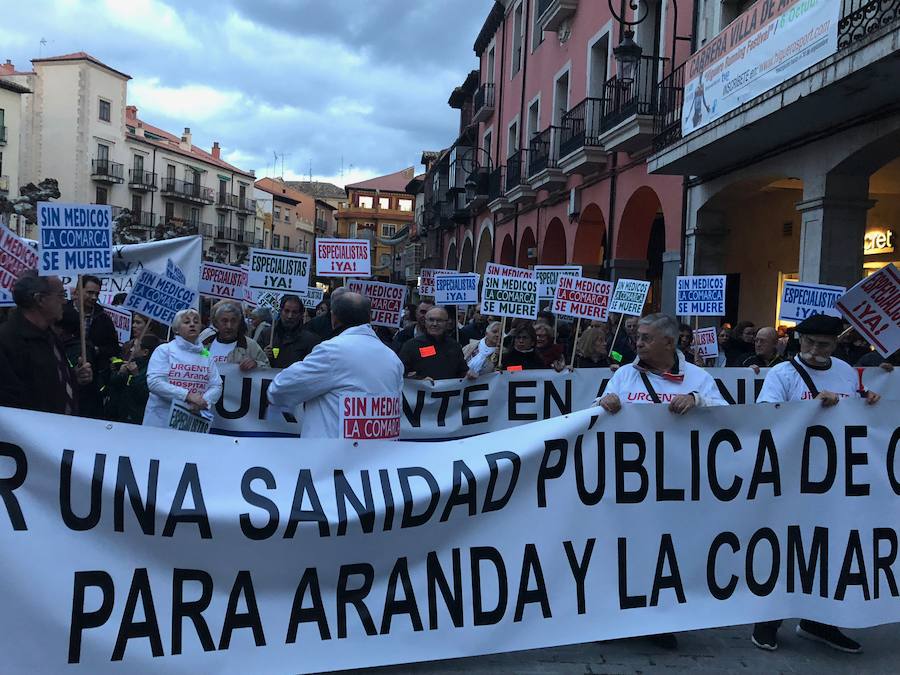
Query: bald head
{"x": 766, "y": 342}
{"x": 349, "y": 309}
{"x": 436, "y": 320}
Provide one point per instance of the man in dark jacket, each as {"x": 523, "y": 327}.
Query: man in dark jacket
{"x": 98, "y": 327}
{"x": 416, "y": 330}
{"x": 292, "y": 342}
{"x": 321, "y": 325}
{"x": 435, "y": 355}
{"x": 34, "y": 371}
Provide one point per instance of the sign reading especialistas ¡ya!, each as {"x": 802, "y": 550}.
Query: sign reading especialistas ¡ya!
{"x": 548, "y": 277}
{"x": 388, "y": 301}
{"x": 509, "y": 291}
{"x": 16, "y": 256}
{"x": 158, "y": 298}
{"x": 121, "y": 319}
{"x": 278, "y": 271}
{"x": 873, "y": 307}
{"x": 582, "y": 298}
{"x": 75, "y": 238}
{"x": 313, "y": 297}
{"x": 800, "y": 301}
{"x": 766, "y": 45}
{"x": 706, "y": 342}
{"x": 629, "y": 297}
{"x": 343, "y": 258}
{"x": 223, "y": 282}
{"x": 452, "y": 288}
{"x": 700, "y": 296}
{"x": 239, "y": 562}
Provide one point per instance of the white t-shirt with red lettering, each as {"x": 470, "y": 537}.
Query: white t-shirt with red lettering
{"x": 176, "y": 369}
{"x": 220, "y": 351}
{"x": 783, "y": 383}
{"x": 628, "y": 385}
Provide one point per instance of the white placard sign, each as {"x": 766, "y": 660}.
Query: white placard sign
{"x": 16, "y": 256}
{"x": 800, "y": 301}
{"x": 388, "y": 301}
{"x": 426, "y": 280}
{"x": 629, "y": 297}
{"x": 873, "y": 307}
{"x": 509, "y": 291}
{"x": 313, "y": 297}
{"x": 74, "y": 238}
{"x": 343, "y": 258}
{"x": 700, "y": 296}
{"x": 182, "y": 418}
{"x": 548, "y": 277}
{"x": 456, "y": 288}
{"x": 223, "y": 282}
{"x": 121, "y": 319}
{"x": 706, "y": 341}
{"x": 583, "y": 298}
{"x": 278, "y": 271}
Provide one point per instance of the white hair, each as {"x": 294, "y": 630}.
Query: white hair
{"x": 664, "y": 323}
{"x": 179, "y": 317}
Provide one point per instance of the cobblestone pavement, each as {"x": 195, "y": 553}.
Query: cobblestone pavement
{"x": 722, "y": 650}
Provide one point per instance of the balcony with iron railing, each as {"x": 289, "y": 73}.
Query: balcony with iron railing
{"x": 867, "y": 48}
{"x": 484, "y": 102}
{"x": 630, "y": 106}
{"x": 543, "y": 158}
{"x": 518, "y": 190}
{"x": 105, "y": 171}
{"x": 552, "y": 13}
{"x": 245, "y": 204}
{"x": 186, "y": 226}
{"x": 186, "y": 191}
{"x": 580, "y": 149}
{"x": 225, "y": 201}
{"x": 321, "y": 226}
{"x": 141, "y": 181}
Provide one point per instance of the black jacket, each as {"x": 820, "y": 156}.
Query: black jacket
{"x": 442, "y": 360}
{"x": 128, "y": 395}
{"x": 403, "y": 336}
{"x": 103, "y": 336}
{"x": 293, "y": 345}
{"x": 321, "y": 327}
{"x": 29, "y": 374}
{"x": 522, "y": 360}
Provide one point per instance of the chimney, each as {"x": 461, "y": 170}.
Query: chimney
{"x": 186, "y": 139}
{"x": 216, "y": 150}
{"x": 131, "y": 112}
{"x": 7, "y": 68}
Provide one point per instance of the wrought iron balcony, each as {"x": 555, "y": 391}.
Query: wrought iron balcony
{"x": 141, "y": 181}
{"x": 185, "y": 226}
{"x": 186, "y": 191}
{"x": 580, "y": 149}
{"x": 105, "y": 171}
{"x": 225, "y": 201}
{"x": 246, "y": 205}
{"x": 518, "y": 191}
{"x": 630, "y": 107}
{"x": 484, "y": 102}
{"x": 321, "y": 226}
{"x": 552, "y": 13}
{"x": 667, "y": 127}
{"x": 543, "y": 151}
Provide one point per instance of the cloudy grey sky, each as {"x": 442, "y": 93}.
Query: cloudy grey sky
{"x": 313, "y": 79}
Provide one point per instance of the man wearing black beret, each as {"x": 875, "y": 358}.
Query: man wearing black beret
{"x": 813, "y": 374}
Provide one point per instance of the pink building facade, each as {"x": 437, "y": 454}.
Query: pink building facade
{"x": 549, "y": 166}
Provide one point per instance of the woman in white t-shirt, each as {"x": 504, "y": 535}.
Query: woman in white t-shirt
{"x": 181, "y": 370}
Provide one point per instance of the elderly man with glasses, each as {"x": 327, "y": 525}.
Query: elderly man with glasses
{"x": 434, "y": 355}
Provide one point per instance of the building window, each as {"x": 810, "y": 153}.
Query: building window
{"x": 195, "y": 216}
{"x": 388, "y": 230}
{"x": 384, "y": 202}
{"x": 222, "y": 221}
{"x": 386, "y": 260}
{"x": 170, "y": 210}
{"x": 102, "y": 196}
{"x": 365, "y": 202}
{"x": 138, "y": 166}
{"x": 537, "y": 35}
{"x": 276, "y": 241}
{"x": 518, "y": 39}
{"x": 405, "y": 204}
{"x": 136, "y": 207}
{"x": 277, "y": 211}
{"x": 102, "y": 154}
{"x": 351, "y": 230}
{"x": 105, "y": 110}
{"x": 287, "y": 243}
{"x": 287, "y": 216}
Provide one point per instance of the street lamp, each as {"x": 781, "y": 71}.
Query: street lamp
{"x": 628, "y": 55}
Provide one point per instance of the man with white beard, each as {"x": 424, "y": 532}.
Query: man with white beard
{"x": 814, "y": 374}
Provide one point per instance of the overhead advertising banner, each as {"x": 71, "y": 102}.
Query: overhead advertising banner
{"x": 388, "y": 301}
{"x": 629, "y": 297}
{"x": 223, "y": 282}
{"x": 283, "y": 555}
{"x": 456, "y": 288}
{"x": 278, "y": 271}
{"x": 74, "y": 238}
{"x": 873, "y": 308}
{"x": 765, "y": 46}
{"x": 509, "y": 291}
{"x": 343, "y": 258}
{"x": 548, "y": 277}
{"x": 159, "y": 298}
{"x": 460, "y": 408}
{"x": 700, "y": 296}
{"x": 582, "y": 298}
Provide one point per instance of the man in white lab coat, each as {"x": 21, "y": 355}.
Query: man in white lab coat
{"x": 350, "y": 385}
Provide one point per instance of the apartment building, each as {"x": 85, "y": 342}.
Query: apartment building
{"x": 10, "y": 106}
{"x": 291, "y": 213}
{"x": 77, "y": 127}
{"x": 380, "y": 210}
{"x": 327, "y": 198}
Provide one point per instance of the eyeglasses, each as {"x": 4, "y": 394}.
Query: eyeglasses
{"x": 436, "y": 321}
{"x": 819, "y": 344}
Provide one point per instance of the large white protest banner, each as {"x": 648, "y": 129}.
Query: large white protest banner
{"x": 74, "y": 238}
{"x": 278, "y": 271}
{"x": 183, "y": 253}
{"x": 343, "y": 258}
{"x": 121, "y": 319}
{"x": 548, "y": 277}
{"x": 873, "y": 307}
{"x": 284, "y": 555}
{"x": 582, "y": 298}
{"x": 800, "y": 301}
{"x": 460, "y": 408}
{"x": 629, "y": 297}
{"x": 452, "y": 288}
{"x": 223, "y": 282}
{"x": 16, "y": 256}
{"x": 766, "y": 45}
{"x": 388, "y": 301}
{"x": 159, "y": 298}
{"x": 509, "y": 291}
{"x": 700, "y": 296}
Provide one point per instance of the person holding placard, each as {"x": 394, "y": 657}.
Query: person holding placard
{"x": 98, "y": 326}
{"x": 435, "y": 355}
{"x": 128, "y": 391}
{"x": 549, "y": 351}
{"x": 181, "y": 370}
